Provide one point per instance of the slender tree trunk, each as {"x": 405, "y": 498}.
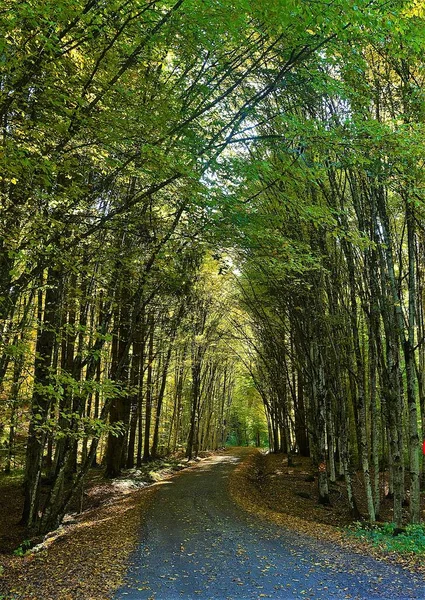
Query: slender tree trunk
{"x": 149, "y": 392}
{"x": 409, "y": 350}
{"x": 196, "y": 385}
{"x": 360, "y": 385}
{"x": 154, "y": 450}
{"x": 395, "y": 336}
{"x": 119, "y": 410}
{"x": 42, "y": 398}
{"x": 136, "y": 383}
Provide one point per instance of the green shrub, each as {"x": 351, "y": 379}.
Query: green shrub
{"x": 385, "y": 536}
{"x": 23, "y": 548}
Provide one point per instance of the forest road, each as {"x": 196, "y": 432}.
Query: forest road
{"x": 196, "y": 544}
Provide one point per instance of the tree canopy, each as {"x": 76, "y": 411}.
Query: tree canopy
{"x": 211, "y": 231}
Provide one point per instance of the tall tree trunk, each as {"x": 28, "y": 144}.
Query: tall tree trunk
{"x": 195, "y": 399}
{"x": 154, "y": 450}
{"x": 42, "y": 397}
{"x": 360, "y": 384}
{"x": 149, "y": 392}
{"x": 395, "y": 337}
{"x": 136, "y": 382}
{"x": 119, "y": 410}
{"x": 409, "y": 356}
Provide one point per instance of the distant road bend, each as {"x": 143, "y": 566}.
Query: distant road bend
{"x": 196, "y": 544}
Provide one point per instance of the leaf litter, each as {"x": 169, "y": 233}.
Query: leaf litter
{"x": 263, "y": 484}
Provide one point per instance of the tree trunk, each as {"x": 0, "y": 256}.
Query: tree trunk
{"x": 42, "y": 396}
{"x": 149, "y": 392}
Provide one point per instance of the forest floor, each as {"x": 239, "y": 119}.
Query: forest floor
{"x": 87, "y": 557}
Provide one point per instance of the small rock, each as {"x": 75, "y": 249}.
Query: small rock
{"x": 37, "y": 548}
{"x": 69, "y": 520}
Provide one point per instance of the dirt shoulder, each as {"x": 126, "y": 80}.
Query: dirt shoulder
{"x": 86, "y": 558}
{"x": 266, "y": 486}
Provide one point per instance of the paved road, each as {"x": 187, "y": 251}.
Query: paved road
{"x": 197, "y": 545}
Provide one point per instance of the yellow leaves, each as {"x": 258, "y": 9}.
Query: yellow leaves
{"x": 14, "y": 180}
{"x": 78, "y": 57}
{"x": 417, "y": 9}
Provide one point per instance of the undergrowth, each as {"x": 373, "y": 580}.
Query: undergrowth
{"x": 387, "y": 537}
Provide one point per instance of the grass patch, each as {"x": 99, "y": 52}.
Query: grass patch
{"x": 387, "y": 537}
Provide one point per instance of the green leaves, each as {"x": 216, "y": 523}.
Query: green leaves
{"x": 386, "y": 536}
